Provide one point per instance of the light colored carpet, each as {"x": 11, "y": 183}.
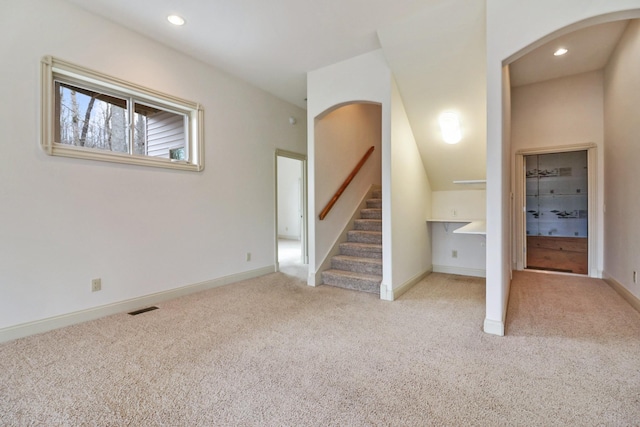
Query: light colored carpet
{"x": 272, "y": 351}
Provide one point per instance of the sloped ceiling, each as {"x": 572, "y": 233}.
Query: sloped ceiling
{"x": 435, "y": 48}
{"x": 271, "y": 44}
{"x": 438, "y": 58}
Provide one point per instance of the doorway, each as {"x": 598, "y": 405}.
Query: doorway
{"x": 555, "y": 226}
{"x": 557, "y": 212}
{"x": 291, "y": 229}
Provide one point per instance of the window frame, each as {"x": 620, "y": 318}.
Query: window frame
{"x": 54, "y": 69}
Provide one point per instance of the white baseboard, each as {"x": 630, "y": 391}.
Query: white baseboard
{"x": 462, "y": 271}
{"x": 391, "y": 294}
{"x": 44, "y": 325}
{"x": 494, "y": 327}
{"x": 624, "y": 292}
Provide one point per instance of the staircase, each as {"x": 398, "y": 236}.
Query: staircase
{"x": 359, "y": 264}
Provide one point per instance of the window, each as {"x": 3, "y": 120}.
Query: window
{"x": 90, "y": 115}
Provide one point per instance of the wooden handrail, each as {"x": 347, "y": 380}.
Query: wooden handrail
{"x": 344, "y": 185}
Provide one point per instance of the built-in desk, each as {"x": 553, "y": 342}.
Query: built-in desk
{"x": 459, "y": 251}
{"x": 473, "y": 226}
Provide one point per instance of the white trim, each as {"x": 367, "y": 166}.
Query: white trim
{"x": 494, "y": 327}
{"x": 520, "y": 200}
{"x": 391, "y": 294}
{"x": 52, "y": 67}
{"x": 44, "y": 325}
{"x": 462, "y": 271}
{"x": 624, "y": 292}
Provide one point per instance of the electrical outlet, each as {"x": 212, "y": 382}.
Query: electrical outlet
{"x": 248, "y": 257}
{"x": 454, "y": 254}
{"x": 96, "y": 285}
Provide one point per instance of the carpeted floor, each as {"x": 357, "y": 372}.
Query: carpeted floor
{"x": 274, "y": 352}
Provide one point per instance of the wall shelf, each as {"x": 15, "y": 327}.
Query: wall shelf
{"x": 473, "y": 227}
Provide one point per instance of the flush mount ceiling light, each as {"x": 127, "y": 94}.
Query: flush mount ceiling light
{"x": 450, "y": 127}
{"x": 560, "y": 52}
{"x": 175, "y": 19}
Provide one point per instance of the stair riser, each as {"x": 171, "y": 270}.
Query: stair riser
{"x": 371, "y": 214}
{"x": 357, "y": 267}
{"x": 358, "y": 236}
{"x": 367, "y": 225}
{"x": 361, "y": 253}
{"x": 351, "y": 283}
{"x": 376, "y": 194}
{"x": 374, "y": 204}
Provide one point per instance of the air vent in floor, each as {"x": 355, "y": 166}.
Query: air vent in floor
{"x": 143, "y": 310}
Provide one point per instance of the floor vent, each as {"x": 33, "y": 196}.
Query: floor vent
{"x": 143, "y": 310}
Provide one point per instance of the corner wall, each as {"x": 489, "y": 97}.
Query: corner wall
{"x": 410, "y": 206}
{"x": 622, "y": 156}
{"x": 143, "y": 231}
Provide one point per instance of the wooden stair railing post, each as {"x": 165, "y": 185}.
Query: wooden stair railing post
{"x": 344, "y": 185}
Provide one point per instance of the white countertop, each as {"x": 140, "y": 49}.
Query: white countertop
{"x": 475, "y": 226}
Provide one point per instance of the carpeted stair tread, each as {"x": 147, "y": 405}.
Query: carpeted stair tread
{"x": 371, "y": 213}
{"x": 362, "y": 250}
{"x": 368, "y": 224}
{"x": 364, "y": 236}
{"x": 371, "y": 266}
{"x": 374, "y": 203}
{"x": 359, "y": 265}
{"x": 350, "y": 280}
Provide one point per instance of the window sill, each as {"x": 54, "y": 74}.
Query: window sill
{"x": 109, "y": 156}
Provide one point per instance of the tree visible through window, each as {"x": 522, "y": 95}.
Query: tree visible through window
{"x": 92, "y": 119}
{"x": 119, "y": 118}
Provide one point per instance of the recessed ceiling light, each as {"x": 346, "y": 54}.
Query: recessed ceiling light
{"x": 560, "y": 52}
{"x": 175, "y": 19}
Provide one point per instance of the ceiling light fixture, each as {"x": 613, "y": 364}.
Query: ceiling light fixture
{"x": 560, "y": 52}
{"x": 175, "y": 20}
{"x": 450, "y": 127}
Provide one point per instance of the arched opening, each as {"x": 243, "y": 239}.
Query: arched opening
{"x": 504, "y": 47}
{"x": 343, "y": 134}
{"x": 558, "y": 106}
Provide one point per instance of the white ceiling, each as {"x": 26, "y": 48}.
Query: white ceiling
{"x": 589, "y": 50}
{"x": 271, "y": 44}
{"x": 435, "y": 48}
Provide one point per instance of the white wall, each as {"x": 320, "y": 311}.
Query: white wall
{"x": 512, "y": 29}
{"x": 467, "y": 204}
{"x": 470, "y": 248}
{"x": 563, "y": 112}
{"x": 410, "y": 205}
{"x": 364, "y": 78}
{"x": 289, "y": 198}
{"x": 142, "y": 230}
{"x": 622, "y": 156}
